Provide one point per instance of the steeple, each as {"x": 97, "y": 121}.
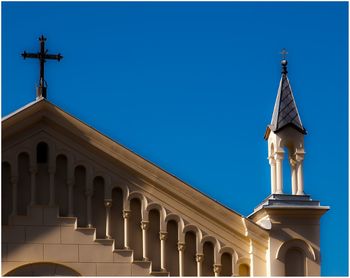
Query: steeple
{"x": 285, "y": 112}
{"x": 286, "y": 131}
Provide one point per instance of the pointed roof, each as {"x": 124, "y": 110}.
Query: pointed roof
{"x": 285, "y": 112}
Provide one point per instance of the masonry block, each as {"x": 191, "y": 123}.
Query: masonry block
{"x": 113, "y": 269}
{"x": 25, "y": 252}
{"x": 123, "y": 256}
{"x": 85, "y": 269}
{"x": 50, "y": 216}
{"x": 61, "y": 253}
{"x": 71, "y": 236}
{"x": 139, "y": 268}
{"x": 13, "y": 234}
{"x": 95, "y": 253}
{"x": 44, "y": 234}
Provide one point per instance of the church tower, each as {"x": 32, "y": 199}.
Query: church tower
{"x": 293, "y": 220}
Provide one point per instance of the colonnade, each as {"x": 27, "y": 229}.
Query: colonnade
{"x": 133, "y": 221}
{"x": 276, "y": 166}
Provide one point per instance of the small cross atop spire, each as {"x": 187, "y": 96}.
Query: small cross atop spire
{"x": 42, "y": 56}
{"x": 284, "y": 61}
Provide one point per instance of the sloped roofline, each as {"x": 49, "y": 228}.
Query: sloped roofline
{"x": 112, "y": 143}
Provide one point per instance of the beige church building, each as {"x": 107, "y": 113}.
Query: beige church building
{"x": 75, "y": 202}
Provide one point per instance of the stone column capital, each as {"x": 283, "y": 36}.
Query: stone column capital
{"x": 199, "y": 258}
{"x": 278, "y": 155}
{"x": 292, "y": 162}
{"x": 144, "y": 225}
{"x": 217, "y": 268}
{"x": 181, "y": 246}
{"x": 126, "y": 214}
{"x": 272, "y": 160}
{"x": 163, "y": 235}
{"x": 299, "y": 157}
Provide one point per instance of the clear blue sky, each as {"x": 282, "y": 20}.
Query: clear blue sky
{"x": 191, "y": 87}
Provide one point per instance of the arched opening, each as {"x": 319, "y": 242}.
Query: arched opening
{"x": 43, "y": 269}
{"x": 295, "y": 262}
{"x": 226, "y": 264}
{"x": 23, "y": 186}
{"x": 79, "y": 196}
{"x": 117, "y": 220}
{"x": 6, "y": 193}
{"x": 208, "y": 260}
{"x": 42, "y": 177}
{"x": 135, "y": 229}
{"x": 98, "y": 208}
{"x": 190, "y": 254}
{"x": 172, "y": 254}
{"x": 61, "y": 189}
{"x": 244, "y": 270}
{"x": 153, "y": 239}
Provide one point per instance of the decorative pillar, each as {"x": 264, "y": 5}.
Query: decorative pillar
{"x": 88, "y": 193}
{"x": 126, "y": 216}
{"x": 279, "y": 172}
{"x": 199, "y": 260}
{"x": 14, "y": 183}
{"x": 300, "y": 175}
{"x": 217, "y": 269}
{"x": 162, "y": 237}
{"x": 144, "y": 227}
{"x": 273, "y": 174}
{"x": 293, "y": 164}
{"x": 33, "y": 170}
{"x": 108, "y": 204}
{"x": 181, "y": 249}
{"x": 52, "y": 186}
{"x": 70, "y": 184}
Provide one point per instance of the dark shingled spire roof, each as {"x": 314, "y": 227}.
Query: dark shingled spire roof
{"x": 285, "y": 112}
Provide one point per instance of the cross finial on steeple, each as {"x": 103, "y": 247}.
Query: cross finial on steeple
{"x": 284, "y": 61}
{"x": 42, "y": 56}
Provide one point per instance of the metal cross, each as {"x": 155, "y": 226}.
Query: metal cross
{"x": 42, "y": 56}
{"x": 284, "y": 53}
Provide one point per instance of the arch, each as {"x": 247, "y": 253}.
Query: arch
{"x": 208, "y": 258}
{"x": 153, "y": 237}
{"x": 43, "y": 269}
{"x": 70, "y": 160}
{"x": 42, "y": 152}
{"x": 190, "y": 252}
{"x": 162, "y": 214}
{"x": 23, "y": 183}
{"x": 98, "y": 207}
{"x": 137, "y": 195}
{"x": 198, "y": 233}
{"x": 234, "y": 258}
{"x": 295, "y": 243}
{"x": 107, "y": 182}
{"x": 171, "y": 248}
{"x": 134, "y": 228}
{"x": 117, "y": 220}
{"x": 79, "y": 195}
{"x": 242, "y": 265}
{"x": 216, "y": 245}
{"x": 124, "y": 188}
{"x": 180, "y": 224}
{"x": 61, "y": 187}
{"x": 44, "y": 165}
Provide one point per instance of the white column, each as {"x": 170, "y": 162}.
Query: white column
{"x": 273, "y": 174}
{"x": 300, "y": 158}
{"x": 70, "y": 184}
{"x": 88, "y": 193}
{"x": 108, "y": 204}
{"x": 52, "y": 186}
{"x": 181, "y": 249}
{"x": 162, "y": 237}
{"x": 14, "y": 182}
{"x": 33, "y": 170}
{"x": 199, "y": 260}
{"x": 126, "y": 215}
{"x": 279, "y": 172}
{"x": 294, "y": 175}
{"x": 217, "y": 269}
{"x": 144, "y": 227}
